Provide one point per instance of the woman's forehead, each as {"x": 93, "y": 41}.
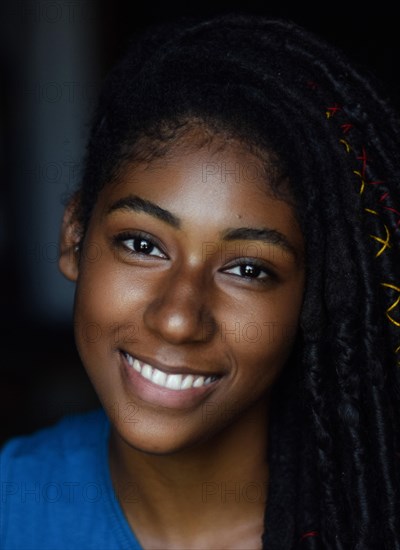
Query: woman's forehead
{"x": 221, "y": 153}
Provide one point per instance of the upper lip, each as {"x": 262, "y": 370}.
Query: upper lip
{"x": 172, "y": 369}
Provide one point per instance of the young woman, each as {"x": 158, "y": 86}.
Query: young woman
{"x": 235, "y": 248}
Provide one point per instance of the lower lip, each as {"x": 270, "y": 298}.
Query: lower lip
{"x": 160, "y": 396}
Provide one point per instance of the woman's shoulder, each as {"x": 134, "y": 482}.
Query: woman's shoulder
{"x": 72, "y": 432}
{"x": 56, "y": 491}
{"x": 71, "y": 429}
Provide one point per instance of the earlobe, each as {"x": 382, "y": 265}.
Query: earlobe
{"x": 68, "y": 261}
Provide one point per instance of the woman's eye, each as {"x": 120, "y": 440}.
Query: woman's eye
{"x": 249, "y": 271}
{"x": 140, "y": 245}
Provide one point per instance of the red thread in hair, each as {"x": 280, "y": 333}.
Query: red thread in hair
{"x": 332, "y": 110}
{"x": 364, "y": 161}
{"x": 309, "y": 534}
{"x": 346, "y": 127}
{"x": 384, "y": 196}
{"x": 392, "y": 210}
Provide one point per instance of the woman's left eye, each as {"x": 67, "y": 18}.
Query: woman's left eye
{"x": 250, "y": 271}
{"x": 140, "y": 244}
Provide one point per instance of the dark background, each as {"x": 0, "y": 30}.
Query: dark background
{"x": 53, "y": 57}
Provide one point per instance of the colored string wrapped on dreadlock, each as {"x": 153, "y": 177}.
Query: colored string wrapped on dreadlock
{"x": 384, "y": 240}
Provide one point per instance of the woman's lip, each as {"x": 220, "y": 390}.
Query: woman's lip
{"x": 153, "y": 394}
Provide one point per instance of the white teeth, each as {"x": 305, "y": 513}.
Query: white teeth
{"x": 198, "y": 382}
{"x": 147, "y": 372}
{"x": 135, "y": 364}
{"x": 159, "y": 377}
{"x": 174, "y": 381}
{"x": 170, "y": 381}
{"x": 187, "y": 382}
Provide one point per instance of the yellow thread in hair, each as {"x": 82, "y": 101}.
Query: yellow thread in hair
{"x": 357, "y": 173}
{"x": 393, "y": 320}
{"x": 397, "y": 351}
{"x": 395, "y": 303}
{"x": 393, "y": 287}
{"x": 346, "y": 144}
{"x": 385, "y": 243}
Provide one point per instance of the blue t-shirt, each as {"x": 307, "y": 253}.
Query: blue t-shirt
{"x": 57, "y": 493}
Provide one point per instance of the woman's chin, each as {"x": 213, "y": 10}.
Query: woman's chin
{"x": 157, "y": 440}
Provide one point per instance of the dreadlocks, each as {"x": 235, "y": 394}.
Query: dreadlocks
{"x": 334, "y": 438}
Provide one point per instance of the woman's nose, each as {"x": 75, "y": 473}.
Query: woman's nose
{"x": 180, "y": 310}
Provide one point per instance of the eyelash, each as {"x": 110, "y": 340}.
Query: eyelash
{"x": 136, "y": 236}
{"x": 243, "y": 262}
{"x": 118, "y": 241}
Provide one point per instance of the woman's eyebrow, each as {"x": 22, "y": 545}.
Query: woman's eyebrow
{"x": 265, "y": 234}
{"x": 137, "y": 204}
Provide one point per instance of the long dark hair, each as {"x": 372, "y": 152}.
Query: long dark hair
{"x": 334, "y": 438}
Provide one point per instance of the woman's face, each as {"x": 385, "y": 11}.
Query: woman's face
{"x": 193, "y": 275}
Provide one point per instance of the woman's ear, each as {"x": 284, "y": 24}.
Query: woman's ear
{"x": 68, "y": 261}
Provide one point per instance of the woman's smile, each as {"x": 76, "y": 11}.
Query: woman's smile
{"x": 202, "y": 268}
{"x": 165, "y": 388}
{"x": 179, "y": 378}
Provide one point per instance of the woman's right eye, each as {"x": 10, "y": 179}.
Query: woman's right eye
{"x": 139, "y": 244}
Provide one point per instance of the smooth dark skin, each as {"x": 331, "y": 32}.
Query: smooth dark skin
{"x": 181, "y": 461}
